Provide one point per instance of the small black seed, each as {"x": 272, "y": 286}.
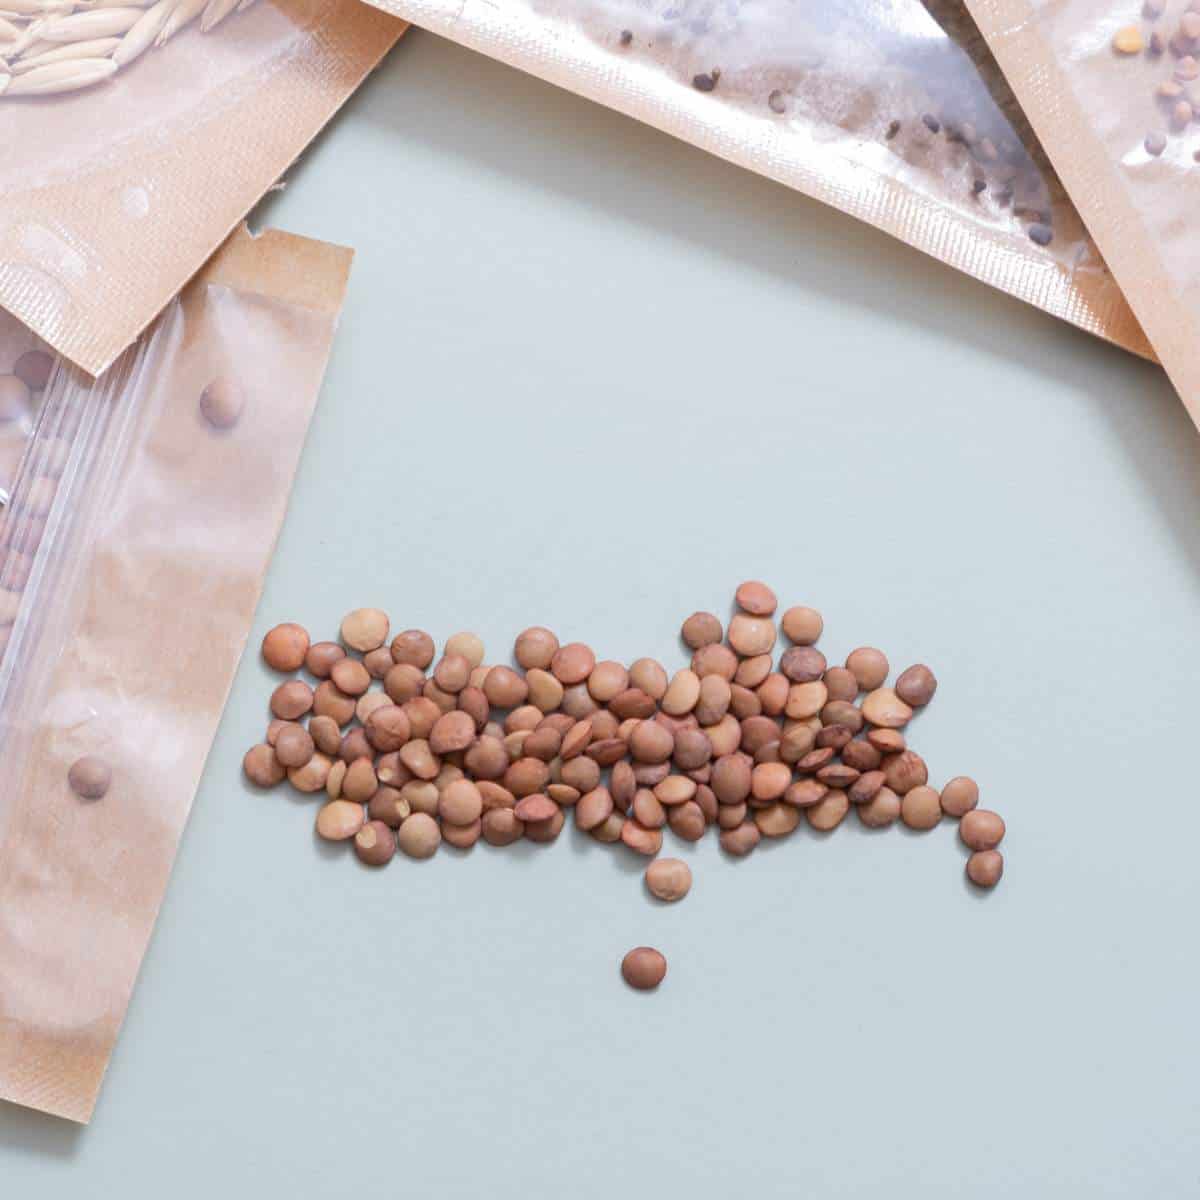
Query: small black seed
{"x": 626, "y": 36}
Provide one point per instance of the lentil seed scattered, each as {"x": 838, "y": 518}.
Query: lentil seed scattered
{"x": 734, "y": 740}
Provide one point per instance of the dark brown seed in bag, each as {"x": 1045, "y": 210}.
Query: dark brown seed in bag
{"x": 90, "y": 777}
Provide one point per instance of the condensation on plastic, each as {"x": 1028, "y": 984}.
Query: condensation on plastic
{"x": 18, "y": 402}
{"x": 112, "y": 197}
{"x": 830, "y": 98}
{"x": 1094, "y": 109}
{"x": 134, "y": 551}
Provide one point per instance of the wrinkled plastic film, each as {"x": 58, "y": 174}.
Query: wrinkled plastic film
{"x": 1109, "y": 120}
{"x": 113, "y": 195}
{"x": 891, "y": 110}
{"x": 134, "y": 549}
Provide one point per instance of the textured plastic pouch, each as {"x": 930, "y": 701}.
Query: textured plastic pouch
{"x": 135, "y": 545}
{"x": 891, "y": 110}
{"x": 136, "y": 134}
{"x": 1113, "y": 89}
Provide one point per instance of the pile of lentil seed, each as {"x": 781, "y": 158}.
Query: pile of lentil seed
{"x": 408, "y": 759}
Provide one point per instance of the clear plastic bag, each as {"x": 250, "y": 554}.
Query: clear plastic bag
{"x": 891, "y": 110}
{"x": 25, "y": 365}
{"x": 141, "y": 524}
{"x": 119, "y": 177}
{"x": 1113, "y": 89}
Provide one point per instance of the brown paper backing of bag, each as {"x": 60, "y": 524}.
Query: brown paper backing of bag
{"x": 168, "y": 585}
{"x": 87, "y": 278}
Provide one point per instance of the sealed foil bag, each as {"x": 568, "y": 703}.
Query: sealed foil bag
{"x": 891, "y": 110}
{"x": 136, "y": 134}
{"x": 134, "y": 544}
{"x": 1113, "y": 89}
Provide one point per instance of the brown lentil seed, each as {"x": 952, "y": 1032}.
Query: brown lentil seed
{"x": 743, "y": 703}
{"x": 604, "y": 726}
{"x": 350, "y": 677}
{"x": 668, "y": 879}
{"x": 640, "y": 839}
{"x": 701, "y": 629}
{"x": 388, "y": 806}
{"x": 981, "y": 829}
{"x": 501, "y": 827}
{"x": 354, "y": 745}
{"x": 460, "y": 803}
{"x": 730, "y": 816}
{"x": 535, "y": 648}
{"x": 375, "y": 844}
{"x": 887, "y": 741}
{"x": 582, "y": 774}
{"x": 802, "y": 625}
{"x": 494, "y": 795}
{"x": 414, "y": 647}
{"x": 804, "y": 793}
{"x": 802, "y": 664}
{"x": 419, "y": 836}
{"x": 452, "y": 731}
{"x": 777, "y": 820}
{"x": 260, "y": 766}
{"x": 335, "y": 779}
{"x": 526, "y": 776}
{"x": 861, "y": 755}
{"x": 841, "y": 684}
{"x": 535, "y": 807}
{"x": 644, "y": 968}
{"x": 732, "y": 778}
{"x": 756, "y": 598}
{"x": 421, "y": 796}
{"x": 572, "y": 663}
{"x": 752, "y": 672}
{"x": 687, "y": 821}
{"x": 885, "y": 709}
{"x": 768, "y": 781}
{"x": 869, "y": 666}
{"x": 325, "y": 734}
{"x": 712, "y": 701}
{"x": 543, "y": 832}
{"x": 320, "y": 657}
{"x": 866, "y": 787}
{"x": 985, "y": 868}
{"x": 682, "y": 693}
{"x": 607, "y": 680}
{"x": 905, "y": 771}
{"x": 610, "y": 831}
{"x": 294, "y": 746}
{"x": 90, "y": 777}
{"x": 293, "y": 699}
{"x": 916, "y": 686}
{"x": 648, "y": 675}
{"x": 365, "y": 629}
{"x": 339, "y": 820}
{"x": 562, "y": 795}
{"x": 527, "y": 717}
{"x": 740, "y": 840}
{"x": 606, "y": 751}
{"x": 465, "y": 645}
{"x": 403, "y": 682}
{"x": 577, "y": 702}
{"x": 881, "y": 810}
{"x": 829, "y": 812}
{"x": 648, "y": 809}
{"x": 725, "y": 735}
{"x": 651, "y": 743}
{"x": 593, "y": 809}
{"x": 960, "y": 796}
{"x": 715, "y": 660}
{"x": 543, "y": 743}
{"x": 806, "y": 699}
{"x": 452, "y": 673}
{"x": 751, "y": 636}
{"x": 796, "y": 743}
{"x": 920, "y": 808}
{"x": 836, "y": 737}
{"x": 284, "y": 648}
{"x": 418, "y": 757}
